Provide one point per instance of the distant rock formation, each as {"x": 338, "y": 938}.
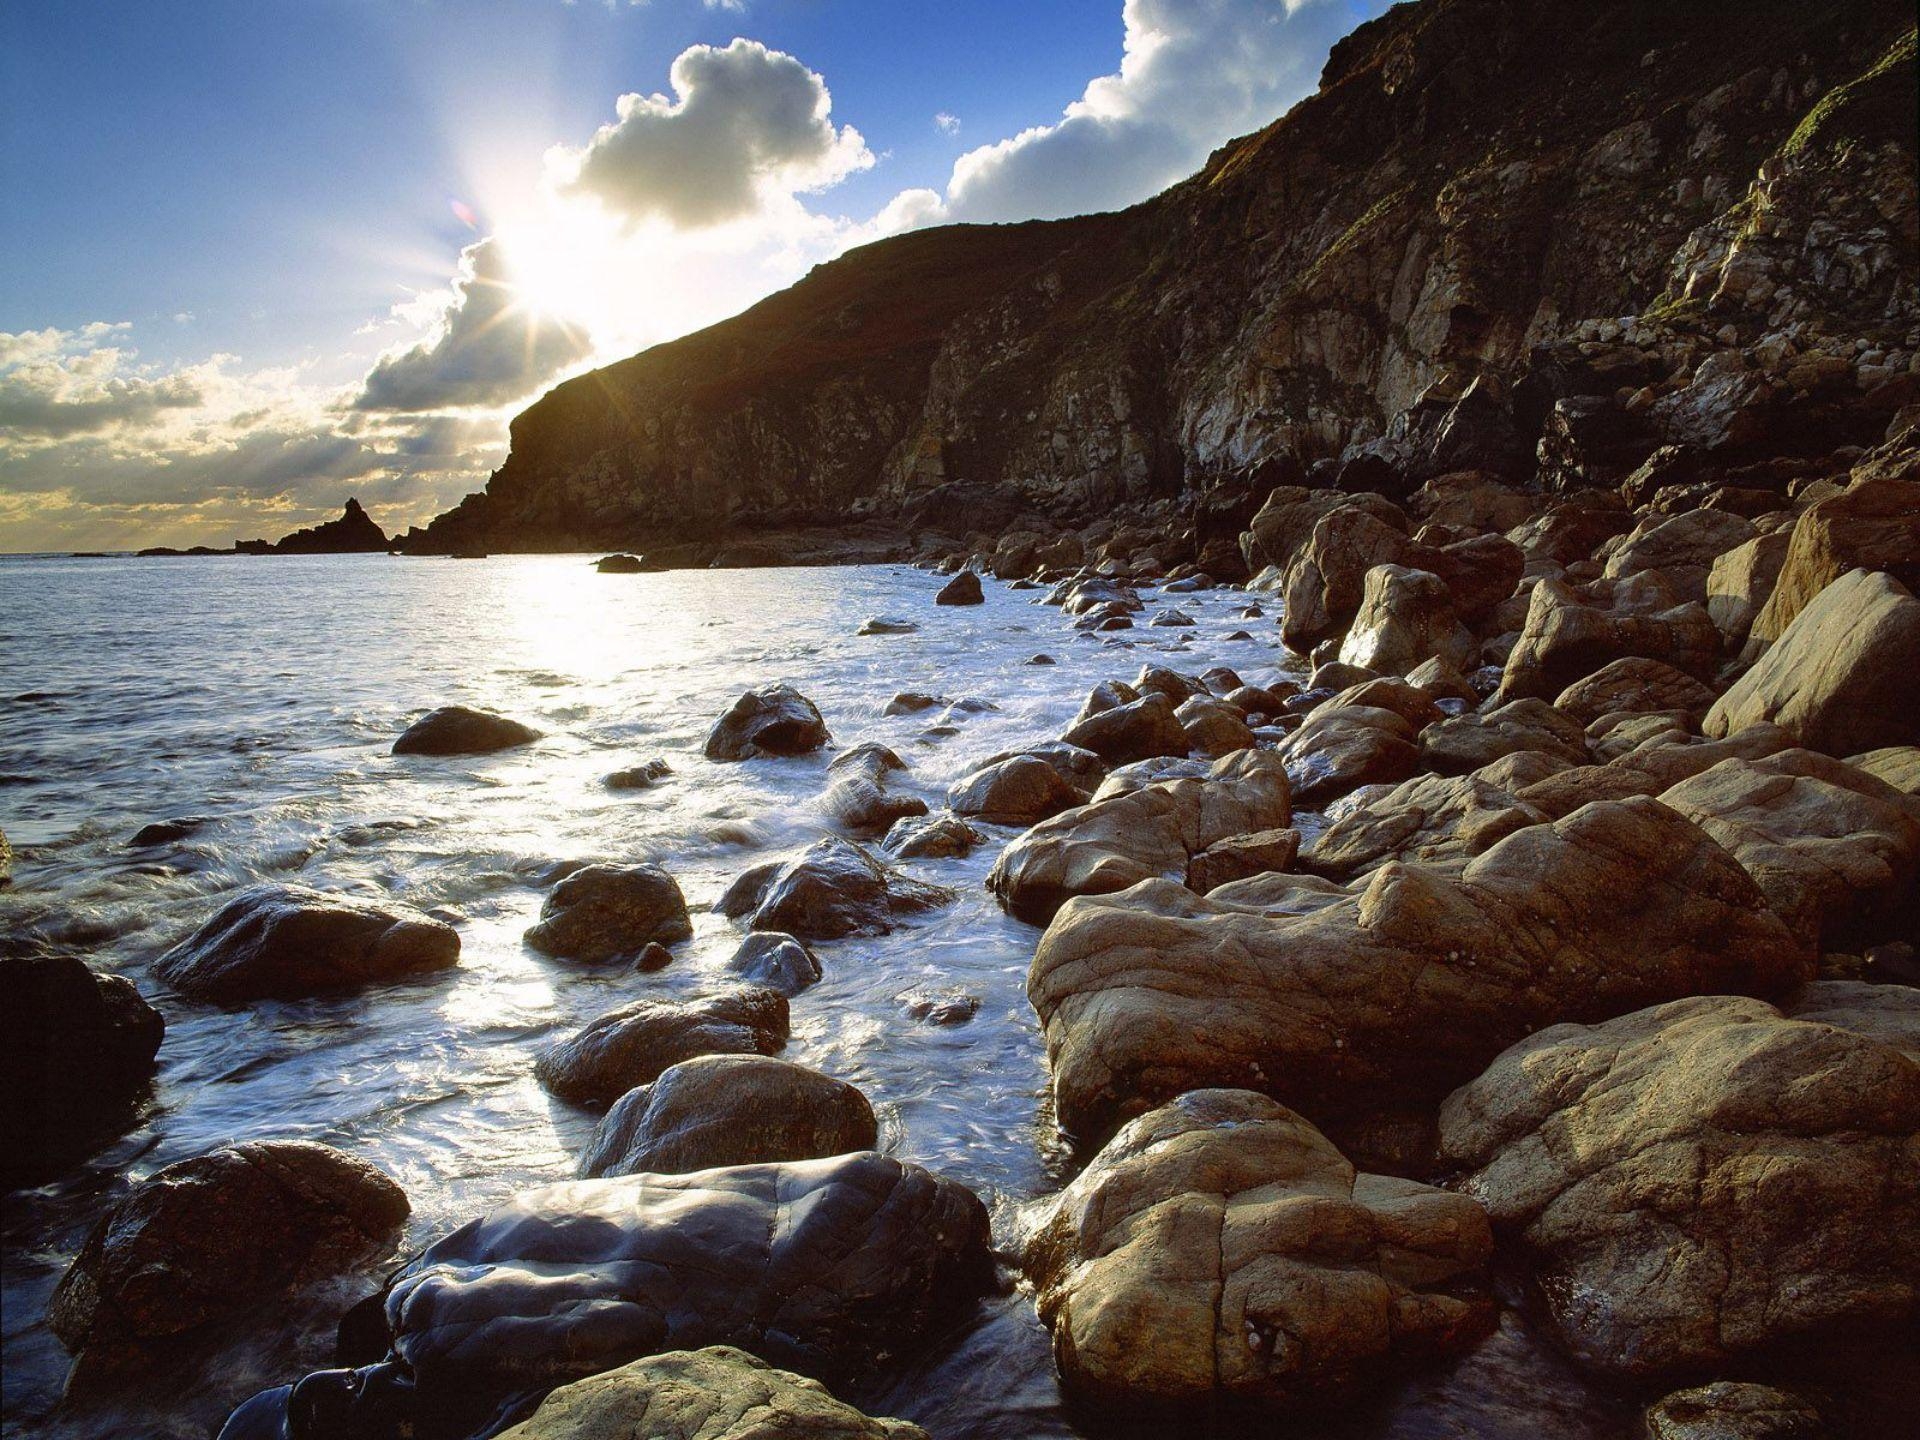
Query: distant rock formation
{"x": 354, "y": 533}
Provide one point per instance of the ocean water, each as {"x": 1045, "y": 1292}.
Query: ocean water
{"x": 263, "y": 696}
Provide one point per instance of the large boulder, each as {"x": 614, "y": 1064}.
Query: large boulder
{"x": 1342, "y": 747}
{"x": 1395, "y": 993}
{"x": 1327, "y": 577}
{"x": 719, "y": 1393}
{"x": 825, "y": 1267}
{"x": 1125, "y": 835}
{"x": 963, "y": 589}
{"x": 1020, "y": 790}
{"x": 1466, "y": 742}
{"x": 1565, "y": 639}
{"x": 1873, "y": 524}
{"x": 1221, "y": 1249}
{"x": 1682, "y": 547}
{"x": 729, "y": 1110}
{"x": 1406, "y": 617}
{"x": 1213, "y": 727}
{"x": 835, "y": 889}
{"x": 610, "y": 912}
{"x": 457, "y": 730}
{"x": 1843, "y": 677}
{"x": 1634, "y": 684}
{"x": 204, "y": 1240}
{"x": 1708, "y": 1178}
{"x": 776, "y": 721}
{"x": 1132, "y": 730}
{"x": 76, "y": 1054}
{"x": 633, "y": 1043}
{"x": 1742, "y": 580}
{"x": 285, "y": 941}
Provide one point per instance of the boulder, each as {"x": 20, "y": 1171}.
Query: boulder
{"x": 1393, "y": 994}
{"x": 963, "y": 589}
{"x": 1898, "y": 765}
{"x": 1124, "y": 835}
{"x": 1342, "y": 747}
{"x": 1636, "y": 684}
{"x": 1326, "y": 578}
{"x": 1734, "y": 1410}
{"x": 826, "y": 1267}
{"x": 865, "y": 808}
{"x": 779, "y": 962}
{"x": 619, "y": 565}
{"x": 1873, "y": 524}
{"x": 601, "y": 913}
{"x": 1406, "y": 617}
{"x": 1565, "y": 640}
{"x": 1705, "y": 1179}
{"x": 776, "y": 721}
{"x": 1020, "y": 790}
{"x": 1467, "y": 742}
{"x": 76, "y": 1055}
{"x": 638, "y": 777}
{"x": 632, "y": 1044}
{"x": 718, "y": 1393}
{"x": 1480, "y": 573}
{"x": 729, "y": 1110}
{"x": 1220, "y": 1248}
{"x": 1433, "y": 819}
{"x": 936, "y": 837}
{"x": 939, "y": 1005}
{"x": 1133, "y": 730}
{"x": 457, "y": 730}
{"x": 886, "y": 625}
{"x": 207, "y": 1239}
{"x": 1239, "y": 857}
{"x": 1741, "y": 581}
{"x": 285, "y": 941}
{"x": 1844, "y": 676}
{"x": 835, "y": 889}
{"x": 1213, "y": 727}
{"x": 1682, "y": 547}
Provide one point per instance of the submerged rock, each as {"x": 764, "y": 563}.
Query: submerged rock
{"x": 828, "y": 1267}
{"x": 729, "y": 1110}
{"x": 776, "y": 961}
{"x": 457, "y": 730}
{"x": 638, "y": 777}
{"x": 619, "y": 565}
{"x": 937, "y": 837}
{"x": 1220, "y": 1248}
{"x": 887, "y": 625}
{"x": 166, "y": 832}
{"x": 206, "y": 1239}
{"x": 285, "y": 941}
{"x": 610, "y": 912}
{"x": 631, "y": 1044}
{"x": 76, "y": 1054}
{"x": 775, "y": 721}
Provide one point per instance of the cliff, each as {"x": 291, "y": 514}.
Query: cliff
{"x": 1502, "y": 235}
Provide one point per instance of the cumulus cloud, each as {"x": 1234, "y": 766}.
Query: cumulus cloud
{"x": 487, "y": 346}
{"x": 1193, "y": 74}
{"x": 747, "y": 127}
{"x": 57, "y": 383}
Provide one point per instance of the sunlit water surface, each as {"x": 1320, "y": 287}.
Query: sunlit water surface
{"x": 265, "y": 694}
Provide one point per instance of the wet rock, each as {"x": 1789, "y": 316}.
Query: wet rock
{"x": 457, "y": 730}
{"x": 835, "y": 889}
{"x": 1442, "y": 681}
{"x": 729, "y": 1110}
{"x": 639, "y": 777}
{"x": 1135, "y": 730}
{"x": 1872, "y": 525}
{"x": 652, "y": 958}
{"x": 167, "y": 832}
{"x": 1172, "y": 620}
{"x": 1020, "y": 790}
{"x": 866, "y": 808}
{"x": 963, "y": 589}
{"x": 718, "y": 1393}
{"x": 887, "y": 625}
{"x": 939, "y": 1007}
{"x": 1566, "y": 640}
{"x": 1406, "y": 617}
{"x": 1125, "y": 835}
{"x": 632, "y": 1044}
{"x": 1619, "y": 905}
{"x": 204, "y": 1240}
{"x": 776, "y": 721}
{"x": 1467, "y": 742}
{"x": 619, "y": 565}
{"x": 776, "y": 961}
{"x": 1843, "y": 677}
{"x": 1213, "y": 727}
{"x": 76, "y": 1054}
{"x": 285, "y": 941}
{"x": 912, "y": 702}
{"x": 1239, "y": 857}
{"x": 1734, "y": 1410}
{"x": 936, "y": 837}
{"x": 1264, "y": 1268}
{"x": 1343, "y": 747}
{"x": 601, "y": 913}
{"x": 827, "y": 1267}
{"x": 743, "y": 895}
{"x": 1707, "y": 1178}
{"x": 1041, "y": 660}
{"x": 1637, "y": 684}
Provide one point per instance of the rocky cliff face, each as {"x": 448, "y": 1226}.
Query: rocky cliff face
{"x": 1536, "y": 240}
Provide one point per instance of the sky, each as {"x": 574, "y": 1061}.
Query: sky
{"x": 260, "y": 255}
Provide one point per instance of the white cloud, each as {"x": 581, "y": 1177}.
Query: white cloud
{"x": 60, "y": 383}
{"x": 747, "y": 128}
{"x": 947, "y": 123}
{"x": 487, "y": 346}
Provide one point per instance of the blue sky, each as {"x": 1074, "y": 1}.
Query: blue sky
{"x": 263, "y": 255}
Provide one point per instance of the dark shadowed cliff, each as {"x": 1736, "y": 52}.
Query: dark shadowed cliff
{"x": 1577, "y": 205}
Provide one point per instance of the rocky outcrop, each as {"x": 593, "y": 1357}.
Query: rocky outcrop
{"x": 354, "y": 533}
{"x": 1221, "y": 1249}
{"x": 285, "y": 941}
{"x": 1707, "y": 1178}
{"x": 824, "y": 1267}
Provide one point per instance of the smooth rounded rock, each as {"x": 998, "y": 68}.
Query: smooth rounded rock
{"x": 458, "y": 730}
{"x": 631, "y": 1044}
{"x": 601, "y": 913}
{"x": 777, "y": 721}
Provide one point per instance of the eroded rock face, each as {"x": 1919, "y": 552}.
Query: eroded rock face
{"x": 610, "y": 912}
{"x": 1844, "y": 676}
{"x": 285, "y": 941}
{"x": 729, "y": 1110}
{"x": 719, "y": 1393}
{"x": 1705, "y": 1178}
{"x": 1220, "y": 1248}
{"x": 205, "y": 1239}
{"x": 1392, "y": 995}
{"x": 1127, "y": 834}
{"x": 775, "y": 721}
{"x": 631, "y": 1044}
{"x": 835, "y": 889}
{"x": 458, "y": 730}
{"x": 76, "y": 1053}
{"x": 826, "y": 1267}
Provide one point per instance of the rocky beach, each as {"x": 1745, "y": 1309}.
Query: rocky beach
{"x": 1295, "y": 810}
